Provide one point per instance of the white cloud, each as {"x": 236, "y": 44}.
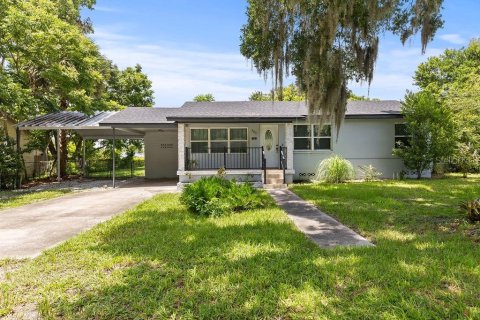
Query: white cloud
{"x": 105, "y": 9}
{"x": 180, "y": 74}
{"x": 453, "y": 38}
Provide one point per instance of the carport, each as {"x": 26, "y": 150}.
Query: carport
{"x": 87, "y": 126}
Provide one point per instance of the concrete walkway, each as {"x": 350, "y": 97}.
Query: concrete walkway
{"x": 321, "y": 228}
{"x": 26, "y": 231}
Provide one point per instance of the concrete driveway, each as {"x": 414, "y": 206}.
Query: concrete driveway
{"x": 26, "y": 231}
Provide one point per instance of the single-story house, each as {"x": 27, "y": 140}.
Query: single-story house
{"x": 256, "y": 141}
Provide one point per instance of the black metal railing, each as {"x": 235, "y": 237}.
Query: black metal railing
{"x": 283, "y": 161}
{"x": 228, "y": 158}
{"x": 264, "y": 166}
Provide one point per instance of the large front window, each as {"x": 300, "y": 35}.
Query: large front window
{"x": 215, "y": 140}
{"x": 312, "y": 137}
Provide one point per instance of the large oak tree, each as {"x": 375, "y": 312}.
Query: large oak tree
{"x": 327, "y": 43}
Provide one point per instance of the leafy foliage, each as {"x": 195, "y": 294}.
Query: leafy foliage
{"x": 131, "y": 87}
{"x": 207, "y": 97}
{"x": 454, "y": 78}
{"x": 289, "y": 93}
{"x": 370, "y": 173}
{"x": 431, "y": 129}
{"x": 216, "y": 196}
{"x": 335, "y": 170}
{"x": 327, "y": 43}
{"x": 9, "y": 161}
{"x": 472, "y": 210}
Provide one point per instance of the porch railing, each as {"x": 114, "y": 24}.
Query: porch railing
{"x": 283, "y": 161}
{"x": 228, "y": 158}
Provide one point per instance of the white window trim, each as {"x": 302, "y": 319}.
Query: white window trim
{"x": 209, "y": 139}
{"x": 312, "y": 138}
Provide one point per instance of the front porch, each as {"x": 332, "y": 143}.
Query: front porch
{"x": 259, "y": 153}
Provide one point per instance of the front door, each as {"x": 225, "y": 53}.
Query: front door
{"x": 269, "y": 140}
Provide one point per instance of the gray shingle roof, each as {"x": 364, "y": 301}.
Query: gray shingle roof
{"x": 279, "y": 109}
{"x": 141, "y": 116}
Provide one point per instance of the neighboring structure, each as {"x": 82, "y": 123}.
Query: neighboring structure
{"x": 249, "y": 139}
{"x": 31, "y": 159}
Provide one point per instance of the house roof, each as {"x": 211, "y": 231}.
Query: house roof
{"x": 222, "y": 111}
{"x": 141, "y": 116}
{"x": 238, "y": 111}
{"x": 278, "y": 110}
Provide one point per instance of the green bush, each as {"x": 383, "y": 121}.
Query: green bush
{"x": 472, "y": 210}
{"x": 216, "y": 196}
{"x": 335, "y": 170}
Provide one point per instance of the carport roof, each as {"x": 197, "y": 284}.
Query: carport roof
{"x": 65, "y": 120}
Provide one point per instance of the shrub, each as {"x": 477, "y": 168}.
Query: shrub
{"x": 369, "y": 173}
{"x": 335, "y": 170}
{"x": 9, "y": 161}
{"x": 215, "y": 196}
{"x": 472, "y": 209}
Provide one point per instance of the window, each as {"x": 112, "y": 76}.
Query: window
{"x": 312, "y": 137}
{"x": 199, "y": 139}
{"x": 217, "y": 140}
{"x": 401, "y": 135}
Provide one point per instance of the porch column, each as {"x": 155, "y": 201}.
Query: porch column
{"x": 289, "y": 144}
{"x": 181, "y": 147}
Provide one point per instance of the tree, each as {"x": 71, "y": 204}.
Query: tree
{"x": 10, "y": 163}
{"x": 289, "y": 93}
{"x": 463, "y": 98}
{"x": 131, "y": 87}
{"x": 431, "y": 130}
{"x": 454, "y": 78}
{"x": 207, "y": 97}
{"x": 327, "y": 43}
{"x": 440, "y": 74}
{"x": 353, "y": 97}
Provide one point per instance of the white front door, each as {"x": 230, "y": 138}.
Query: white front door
{"x": 269, "y": 140}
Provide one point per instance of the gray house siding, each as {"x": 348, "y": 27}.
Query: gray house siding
{"x": 361, "y": 141}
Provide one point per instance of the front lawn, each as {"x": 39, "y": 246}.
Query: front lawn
{"x": 159, "y": 261}
{"x": 11, "y": 199}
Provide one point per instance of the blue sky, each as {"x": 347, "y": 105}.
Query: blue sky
{"x": 189, "y": 47}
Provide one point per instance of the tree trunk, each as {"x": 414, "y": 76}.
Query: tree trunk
{"x": 419, "y": 174}
{"x": 63, "y": 153}
{"x": 63, "y": 144}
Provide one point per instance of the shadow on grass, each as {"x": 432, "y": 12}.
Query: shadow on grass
{"x": 256, "y": 265}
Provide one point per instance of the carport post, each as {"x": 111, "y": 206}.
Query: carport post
{"x": 113, "y": 159}
{"x": 19, "y": 155}
{"x": 59, "y": 177}
{"x": 84, "y": 161}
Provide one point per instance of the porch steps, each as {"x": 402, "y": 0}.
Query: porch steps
{"x": 274, "y": 179}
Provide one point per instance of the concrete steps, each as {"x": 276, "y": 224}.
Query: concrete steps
{"x": 274, "y": 179}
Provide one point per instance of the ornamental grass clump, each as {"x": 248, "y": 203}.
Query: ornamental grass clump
{"x": 472, "y": 210}
{"x": 335, "y": 170}
{"x": 216, "y": 196}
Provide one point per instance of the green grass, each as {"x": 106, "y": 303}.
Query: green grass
{"x": 159, "y": 261}
{"x": 11, "y": 199}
